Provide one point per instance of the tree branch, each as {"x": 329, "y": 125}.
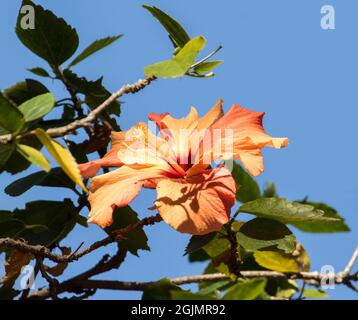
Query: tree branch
{"x": 83, "y": 283}
{"x": 84, "y": 122}
{"x": 44, "y": 252}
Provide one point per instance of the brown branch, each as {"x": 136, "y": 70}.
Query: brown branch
{"x": 83, "y": 283}
{"x": 44, "y": 252}
{"x": 84, "y": 122}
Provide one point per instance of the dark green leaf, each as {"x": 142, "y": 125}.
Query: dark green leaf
{"x": 198, "y": 256}
{"x": 16, "y": 162}
{"x": 6, "y": 150}
{"x": 177, "y": 34}
{"x": 285, "y": 211}
{"x": 135, "y": 240}
{"x": 59, "y": 218}
{"x": 40, "y": 72}
{"x": 93, "y": 48}
{"x": 10, "y": 116}
{"x": 77, "y": 151}
{"x": 82, "y": 85}
{"x": 197, "y": 242}
{"x": 37, "y": 107}
{"x": 24, "y": 91}
{"x": 324, "y": 227}
{"x": 52, "y": 39}
{"x": 55, "y": 178}
{"x": 160, "y": 290}
{"x": 270, "y": 191}
{"x": 249, "y": 289}
{"x": 262, "y": 233}
{"x": 248, "y": 188}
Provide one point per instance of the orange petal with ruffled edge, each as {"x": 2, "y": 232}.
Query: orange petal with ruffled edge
{"x": 199, "y": 204}
{"x": 117, "y": 189}
{"x": 110, "y": 159}
{"x": 248, "y": 138}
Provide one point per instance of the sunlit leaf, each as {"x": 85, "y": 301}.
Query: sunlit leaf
{"x": 160, "y": 290}
{"x": 249, "y": 289}
{"x": 62, "y": 156}
{"x": 207, "y": 66}
{"x": 37, "y": 107}
{"x": 180, "y": 63}
{"x": 34, "y": 156}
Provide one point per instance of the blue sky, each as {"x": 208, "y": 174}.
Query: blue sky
{"x": 277, "y": 60}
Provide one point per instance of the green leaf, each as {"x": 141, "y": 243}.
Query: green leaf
{"x": 160, "y": 290}
{"x": 248, "y": 188}
{"x": 58, "y": 217}
{"x": 10, "y": 117}
{"x": 283, "y": 262}
{"x": 37, "y": 107}
{"x": 6, "y": 150}
{"x": 285, "y": 211}
{"x": 24, "y": 91}
{"x": 270, "y": 191}
{"x": 207, "y": 66}
{"x": 187, "y": 295}
{"x": 34, "y": 156}
{"x": 197, "y": 242}
{"x": 177, "y": 34}
{"x": 135, "y": 240}
{"x": 198, "y": 256}
{"x": 246, "y": 289}
{"x": 93, "y": 48}
{"x": 16, "y": 163}
{"x": 180, "y": 64}
{"x": 323, "y": 226}
{"x": 263, "y": 233}
{"x": 41, "y": 222}
{"x": 52, "y": 39}
{"x": 55, "y": 178}
{"x": 314, "y": 294}
{"x": 217, "y": 246}
{"x": 39, "y": 72}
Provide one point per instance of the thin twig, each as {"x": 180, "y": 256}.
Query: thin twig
{"x": 44, "y": 252}
{"x": 84, "y": 122}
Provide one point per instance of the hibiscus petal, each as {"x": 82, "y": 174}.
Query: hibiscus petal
{"x": 110, "y": 159}
{"x": 199, "y": 204}
{"x": 212, "y": 116}
{"x": 117, "y": 189}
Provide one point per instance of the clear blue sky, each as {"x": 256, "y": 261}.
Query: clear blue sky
{"x": 277, "y": 59}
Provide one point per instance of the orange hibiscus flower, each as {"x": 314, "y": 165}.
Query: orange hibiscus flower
{"x": 192, "y": 196}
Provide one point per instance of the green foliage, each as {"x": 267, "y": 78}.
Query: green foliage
{"x": 37, "y": 107}
{"x": 324, "y": 227}
{"x": 10, "y": 117}
{"x": 34, "y": 156}
{"x": 41, "y": 222}
{"x": 180, "y": 63}
{"x": 52, "y": 39}
{"x": 5, "y": 153}
{"x": 41, "y": 72}
{"x": 54, "y": 178}
{"x": 283, "y": 262}
{"x": 207, "y": 66}
{"x": 135, "y": 240}
{"x": 197, "y": 242}
{"x": 249, "y": 289}
{"x": 248, "y": 188}
{"x": 314, "y": 294}
{"x": 262, "y": 233}
{"x": 160, "y": 290}
{"x": 93, "y": 48}
{"x": 285, "y": 211}
{"x": 24, "y": 91}
{"x": 176, "y": 32}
